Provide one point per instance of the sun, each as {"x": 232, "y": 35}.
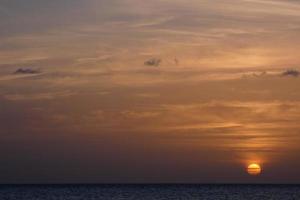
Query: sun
{"x": 254, "y": 169}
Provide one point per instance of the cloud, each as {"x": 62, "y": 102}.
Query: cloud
{"x": 38, "y": 96}
{"x": 26, "y": 71}
{"x": 255, "y": 74}
{"x": 140, "y": 114}
{"x": 153, "y": 62}
{"x": 291, "y": 72}
{"x": 272, "y": 73}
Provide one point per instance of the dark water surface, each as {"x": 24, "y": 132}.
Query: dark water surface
{"x": 148, "y": 192}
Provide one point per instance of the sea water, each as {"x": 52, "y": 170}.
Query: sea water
{"x": 149, "y": 192}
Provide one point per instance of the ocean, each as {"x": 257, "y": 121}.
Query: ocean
{"x": 149, "y": 192}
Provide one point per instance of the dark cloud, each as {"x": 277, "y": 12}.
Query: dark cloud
{"x": 291, "y": 72}
{"x": 153, "y": 62}
{"x": 26, "y": 71}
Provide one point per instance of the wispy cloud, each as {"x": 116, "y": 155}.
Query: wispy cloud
{"x": 38, "y": 96}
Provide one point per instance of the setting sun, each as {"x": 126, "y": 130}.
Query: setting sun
{"x": 254, "y": 169}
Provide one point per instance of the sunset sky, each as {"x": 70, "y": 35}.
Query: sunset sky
{"x": 84, "y": 98}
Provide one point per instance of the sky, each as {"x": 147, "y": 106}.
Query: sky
{"x": 158, "y": 91}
